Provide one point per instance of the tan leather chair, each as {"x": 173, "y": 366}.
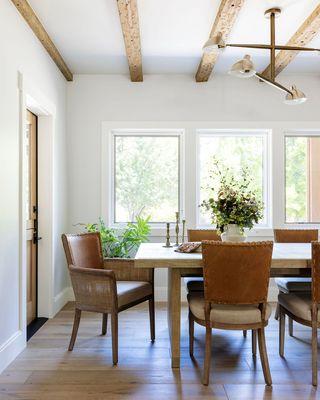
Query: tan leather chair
{"x": 236, "y": 279}
{"x": 106, "y": 291}
{"x": 303, "y": 307}
{"x": 293, "y": 285}
{"x": 195, "y": 283}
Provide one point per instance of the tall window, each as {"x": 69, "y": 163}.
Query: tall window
{"x": 302, "y": 172}
{"x": 234, "y": 151}
{"x": 146, "y": 176}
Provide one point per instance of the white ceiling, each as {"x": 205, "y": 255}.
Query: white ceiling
{"x": 89, "y": 37}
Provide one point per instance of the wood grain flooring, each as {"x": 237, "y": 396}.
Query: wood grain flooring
{"x": 46, "y": 370}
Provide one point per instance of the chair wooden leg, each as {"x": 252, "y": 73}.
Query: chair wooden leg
{"x": 276, "y": 314}
{"x": 254, "y": 342}
{"x": 191, "y": 334}
{"x": 290, "y": 323}
{"x": 207, "y": 356}
{"x": 152, "y": 320}
{"x": 104, "y": 323}
{"x": 264, "y": 357}
{"x": 114, "y": 329}
{"x": 76, "y": 322}
{"x": 282, "y": 328}
{"x": 244, "y": 334}
{"x": 314, "y": 353}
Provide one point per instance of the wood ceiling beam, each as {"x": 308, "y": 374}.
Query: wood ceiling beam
{"x": 225, "y": 19}
{"x": 307, "y": 31}
{"x": 129, "y": 18}
{"x": 32, "y": 20}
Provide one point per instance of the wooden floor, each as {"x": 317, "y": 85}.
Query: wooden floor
{"x": 46, "y": 370}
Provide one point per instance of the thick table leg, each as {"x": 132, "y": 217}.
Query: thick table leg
{"x": 174, "y": 314}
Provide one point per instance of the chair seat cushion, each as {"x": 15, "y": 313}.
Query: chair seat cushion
{"x": 288, "y": 285}
{"x": 298, "y": 304}
{"x": 227, "y": 314}
{"x": 194, "y": 284}
{"x": 130, "y": 291}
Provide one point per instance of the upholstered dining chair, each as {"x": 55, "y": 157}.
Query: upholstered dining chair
{"x": 105, "y": 291}
{"x": 303, "y": 307}
{"x": 236, "y": 278}
{"x": 194, "y": 283}
{"x": 293, "y": 285}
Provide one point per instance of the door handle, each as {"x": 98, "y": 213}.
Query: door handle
{"x": 36, "y": 238}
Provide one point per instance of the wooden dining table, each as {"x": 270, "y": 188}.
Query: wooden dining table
{"x": 288, "y": 260}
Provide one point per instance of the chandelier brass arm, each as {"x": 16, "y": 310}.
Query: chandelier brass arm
{"x": 268, "y": 47}
{"x": 245, "y": 67}
{"x": 273, "y": 83}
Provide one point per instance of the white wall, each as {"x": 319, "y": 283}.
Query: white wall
{"x": 22, "y": 52}
{"x": 175, "y": 101}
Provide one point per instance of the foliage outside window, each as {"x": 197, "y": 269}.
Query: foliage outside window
{"x": 302, "y": 173}
{"x": 236, "y": 153}
{"x": 146, "y": 177}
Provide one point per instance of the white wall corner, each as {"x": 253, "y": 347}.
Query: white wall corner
{"x": 10, "y": 349}
{"x": 61, "y": 299}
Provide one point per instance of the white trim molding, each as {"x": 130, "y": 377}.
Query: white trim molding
{"x": 274, "y": 162}
{"x": 109, "y": 132}
{"x": 266, "y": 136}
{"x": 11, "y": 348}
{"x": 62, "y": 298}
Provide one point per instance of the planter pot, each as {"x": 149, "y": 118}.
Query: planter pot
{"x": 233, "y": 233}
{"x": 125, "y": 270}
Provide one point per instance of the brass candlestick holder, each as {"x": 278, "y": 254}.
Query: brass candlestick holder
{"x": 183, "y": 229}
{"x": 168, "y": 244}
{"x": 177, "y": 229}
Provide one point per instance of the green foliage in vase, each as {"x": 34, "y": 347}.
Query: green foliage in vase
{"x": 233, "y": 201}
{"x": 122, "y": 243}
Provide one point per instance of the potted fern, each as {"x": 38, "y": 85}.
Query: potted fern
{"x": 121, "y": 243}
{"x": 119, "y": 246}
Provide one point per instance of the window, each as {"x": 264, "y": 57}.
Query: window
{"x": 302, "y": 179}
{"x": 146, "y": 179}
{"x": 235, "y": 151}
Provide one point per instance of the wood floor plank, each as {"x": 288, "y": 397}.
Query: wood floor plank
{"x": 131, "y": 391}
{"x": 277, "y": 392}
{"x": 46, "y": 370}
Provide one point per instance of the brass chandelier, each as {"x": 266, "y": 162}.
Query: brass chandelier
{"x": 245, "y": 68}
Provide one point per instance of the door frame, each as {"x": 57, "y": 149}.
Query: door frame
{"x": 32, "y": 99}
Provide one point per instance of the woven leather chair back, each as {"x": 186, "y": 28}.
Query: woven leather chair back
{"x": 83, "y": 250}
{"x": 295, "y": 235}
{"x": 197, "y": 235}
{"x": 236, "y": 273}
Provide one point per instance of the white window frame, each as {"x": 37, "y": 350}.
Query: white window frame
{"x": 113, "y": 133}
{"x": 266, "y": 135}
{"x": 295, "y": 133}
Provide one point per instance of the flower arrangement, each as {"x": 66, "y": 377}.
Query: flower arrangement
{"x": 233, "y": 200}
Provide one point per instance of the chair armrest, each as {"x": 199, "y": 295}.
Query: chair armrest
{"x": 125, "y": 270}
{"x": 94, "y": 289}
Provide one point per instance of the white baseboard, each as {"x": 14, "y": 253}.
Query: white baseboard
{"x": 10, "y": 349}
{"x": 62, "y": 298}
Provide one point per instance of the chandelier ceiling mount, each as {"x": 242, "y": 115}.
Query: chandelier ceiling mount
{"x": 245, "y": 67}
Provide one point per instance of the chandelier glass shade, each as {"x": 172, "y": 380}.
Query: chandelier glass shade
{"x": 297, "y": 97}
{"x": 214, "y": 43}
{"x": 245, "y": 68}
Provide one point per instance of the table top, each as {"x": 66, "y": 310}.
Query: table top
{"x": 155, "y": 255}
